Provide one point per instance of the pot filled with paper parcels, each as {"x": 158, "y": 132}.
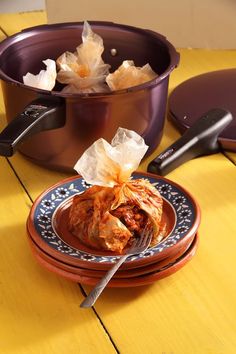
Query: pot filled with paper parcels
{"x": 81, "y": 226}
{"x": 67, "y": 85}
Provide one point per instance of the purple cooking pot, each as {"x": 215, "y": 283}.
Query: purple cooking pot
{"x": 54, "y": 128}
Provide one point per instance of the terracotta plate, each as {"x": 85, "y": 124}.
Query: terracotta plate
{"x": 36, "y": 250}
{"x": 48, "y": 219}
{"x": 145, "y": 279}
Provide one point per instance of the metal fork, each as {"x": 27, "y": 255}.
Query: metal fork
{"x": 139, "y": 245}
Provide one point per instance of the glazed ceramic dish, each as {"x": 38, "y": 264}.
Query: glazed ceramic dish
{"x": 139, "y": 280}
{"x": 94, "y": 273}
{"x": 48, "y": 219}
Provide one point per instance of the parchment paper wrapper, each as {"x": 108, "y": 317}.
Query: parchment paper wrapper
{"x": 105, "y": 164}
{"x": 84, "y": 71}
{"x": 128, "y": 75}
{"x": 46, "y": 79}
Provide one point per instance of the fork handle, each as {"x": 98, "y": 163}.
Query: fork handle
{"x": 94, "y": 294}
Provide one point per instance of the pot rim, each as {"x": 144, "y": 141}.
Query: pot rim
{"x": 25, "y": 33}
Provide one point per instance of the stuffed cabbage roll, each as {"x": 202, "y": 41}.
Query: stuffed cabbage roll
{"x": 109, "y": 218}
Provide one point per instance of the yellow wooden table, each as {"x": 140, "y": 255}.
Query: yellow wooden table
{"x": 192, "y": 311}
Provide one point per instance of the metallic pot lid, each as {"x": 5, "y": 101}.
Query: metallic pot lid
{"x": 197, "y": 95}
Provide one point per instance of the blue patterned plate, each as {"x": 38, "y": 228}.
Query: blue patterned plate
{"x": 48, "y": 218}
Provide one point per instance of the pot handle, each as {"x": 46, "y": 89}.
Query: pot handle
{"x": 200, "y": 139}
{"x": 34, "y": 119}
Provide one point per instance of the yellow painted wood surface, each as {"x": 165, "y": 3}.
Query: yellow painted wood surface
{"x": 12, "y": 23}
{"x": 192, "y": 311}
{"x": 2, "y": 35}
{"x": 39, "y": 312}
{"x": 231, "y": 155}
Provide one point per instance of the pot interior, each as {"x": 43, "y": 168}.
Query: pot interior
{"x": 25, "y": 52}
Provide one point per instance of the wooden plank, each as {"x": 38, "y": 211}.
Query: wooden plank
{"x": 198, "y": 61}
{"x": 231, "y": 155}
{"x": 39, "y": 311}
{"x": 13, "y": 23}
{"x": 2, "y": 35}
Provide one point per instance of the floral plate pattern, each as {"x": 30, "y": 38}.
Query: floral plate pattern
{"x": 41, "y": 221}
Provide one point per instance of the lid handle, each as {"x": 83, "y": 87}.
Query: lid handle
{"x": 200, "y": 139}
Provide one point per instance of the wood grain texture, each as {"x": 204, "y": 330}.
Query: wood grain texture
{"x": 13, "y": 23}
{"x": 39, "y": 312}
{"x": 231, "y": 156}
{"x": 2, "y": 35}
{"x": 192, "y": 311}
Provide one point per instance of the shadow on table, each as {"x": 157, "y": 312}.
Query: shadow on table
{"x": 113, "y": 299}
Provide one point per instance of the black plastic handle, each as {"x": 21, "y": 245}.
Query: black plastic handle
{"x": 44, "y": 113}
{"x": 200, "y": 139}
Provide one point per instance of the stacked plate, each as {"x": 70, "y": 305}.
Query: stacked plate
{"x": 56, "y": 249}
